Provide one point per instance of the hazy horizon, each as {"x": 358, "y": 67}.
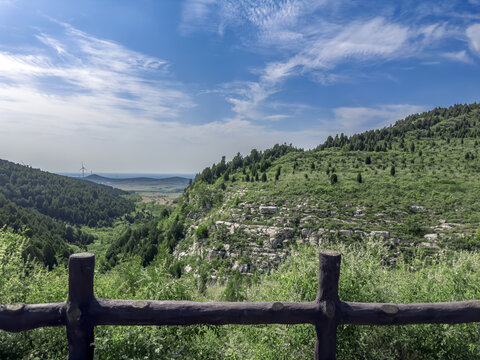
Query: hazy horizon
{"x": 122, "y": 175}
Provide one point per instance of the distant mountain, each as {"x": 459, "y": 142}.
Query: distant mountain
{"x": 142, "y": 184}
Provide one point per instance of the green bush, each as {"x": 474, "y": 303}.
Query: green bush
{"x": 201, "y": 232}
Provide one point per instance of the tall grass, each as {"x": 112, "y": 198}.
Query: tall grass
{"x": 368, "y": 273}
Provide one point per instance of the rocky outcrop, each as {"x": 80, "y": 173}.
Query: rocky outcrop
{"x": 267, "y": 210}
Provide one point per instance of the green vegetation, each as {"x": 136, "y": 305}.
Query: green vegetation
{"x": 62, "y": 198}
{"x": 401, "y": 204}
{"x": 48, "y": 209}
{"x": 366, "y": 275}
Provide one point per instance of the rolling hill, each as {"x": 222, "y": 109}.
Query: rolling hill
{"x": 48, "y": 209}
{"x": 414, "y": 185}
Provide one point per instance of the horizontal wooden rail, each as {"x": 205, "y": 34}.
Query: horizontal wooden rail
{"x": 83, "y": 311}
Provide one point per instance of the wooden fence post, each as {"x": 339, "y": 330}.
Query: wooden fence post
{"x": 327, "y": 296}
{"x": 80, "y": 296}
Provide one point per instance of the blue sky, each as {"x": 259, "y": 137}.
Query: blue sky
{"x": 171, "y": 86}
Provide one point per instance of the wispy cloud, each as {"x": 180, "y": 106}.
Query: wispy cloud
{"x": 80, "y": 98}
{"x": 371, "y": 41}
{"x": 473, "y": 35}
{"x": 460, "y": 56}
{"x": 351, "y": 120}
{"x": 195, "y": 14}
{"x": 96, "y": 73}
{"x": 308, "y": 42}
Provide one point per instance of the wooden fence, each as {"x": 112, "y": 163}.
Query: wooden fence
{"x": 83, "y": 311}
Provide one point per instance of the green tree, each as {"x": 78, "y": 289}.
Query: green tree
{"x": 333, "y": 179}
{"x": 277, "y": 174}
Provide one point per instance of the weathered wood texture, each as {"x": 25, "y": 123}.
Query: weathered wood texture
{"x": 139, "y": 312}
{"x": 82, "y": 311}
{"x": 80, "y": 297}
{"x": 405, "y": 314}
{"x": 327, "y": 297}
{"x": 21, "y": 317}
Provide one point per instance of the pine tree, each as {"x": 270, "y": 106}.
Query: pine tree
{"x": 392, "y": 170}
{"x": 333, "y": 179}
{"x": 359, "y": 178}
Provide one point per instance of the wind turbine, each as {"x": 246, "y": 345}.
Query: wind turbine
{"x": 82, "y": 169}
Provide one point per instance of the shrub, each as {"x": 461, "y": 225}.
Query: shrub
{"x": 333, "y": 179}
{"x": 201, "y": 232}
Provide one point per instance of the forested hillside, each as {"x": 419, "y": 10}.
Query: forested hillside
{"x": 48, "y": 209}
{"x": 61, "y": 197}
{"x": 413, "y": 184}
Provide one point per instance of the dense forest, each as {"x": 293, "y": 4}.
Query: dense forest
{"x": 48, "y": 209}
{"x": 60, "y": 197}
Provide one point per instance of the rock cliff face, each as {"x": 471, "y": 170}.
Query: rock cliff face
{"x": 260, "y": 206}
{"x": 254, "y": 236}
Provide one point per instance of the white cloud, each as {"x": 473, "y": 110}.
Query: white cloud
{"x": 373, "y": 40}
{"x": 195, "y": 14}
{"x": 49, "y": 41}
{"x": 113, "y": 142}
{"x": 473, "y": 35}
{"x": 376, "y": 38}
{"x": 310, "y": 42}
{"x": 460, "y": 56}
{"x": 351, "y": 120}
{"x": 99, "y": 74}
{"x": 80, "y": 98}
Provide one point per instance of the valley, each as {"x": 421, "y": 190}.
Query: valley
{"x": 401, "y": 203}
{"x": 161, "y": 191}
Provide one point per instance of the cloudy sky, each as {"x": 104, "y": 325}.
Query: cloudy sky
{"x": 171, "y": 86}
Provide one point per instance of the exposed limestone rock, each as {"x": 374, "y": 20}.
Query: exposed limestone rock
{"x": 359, "y": 212}
{"x": 445, "y": 226}
{"x": 384, "y": 234}
{"x": 213, "y": 254}
{"x": 267, "y": 210}
{"x": 431, "y": 237}
{"x": 346, "y": 232}
{"x": 430, "y": 245}
{"x": 417, "y": 208}
{"x": 306, "y": 232}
